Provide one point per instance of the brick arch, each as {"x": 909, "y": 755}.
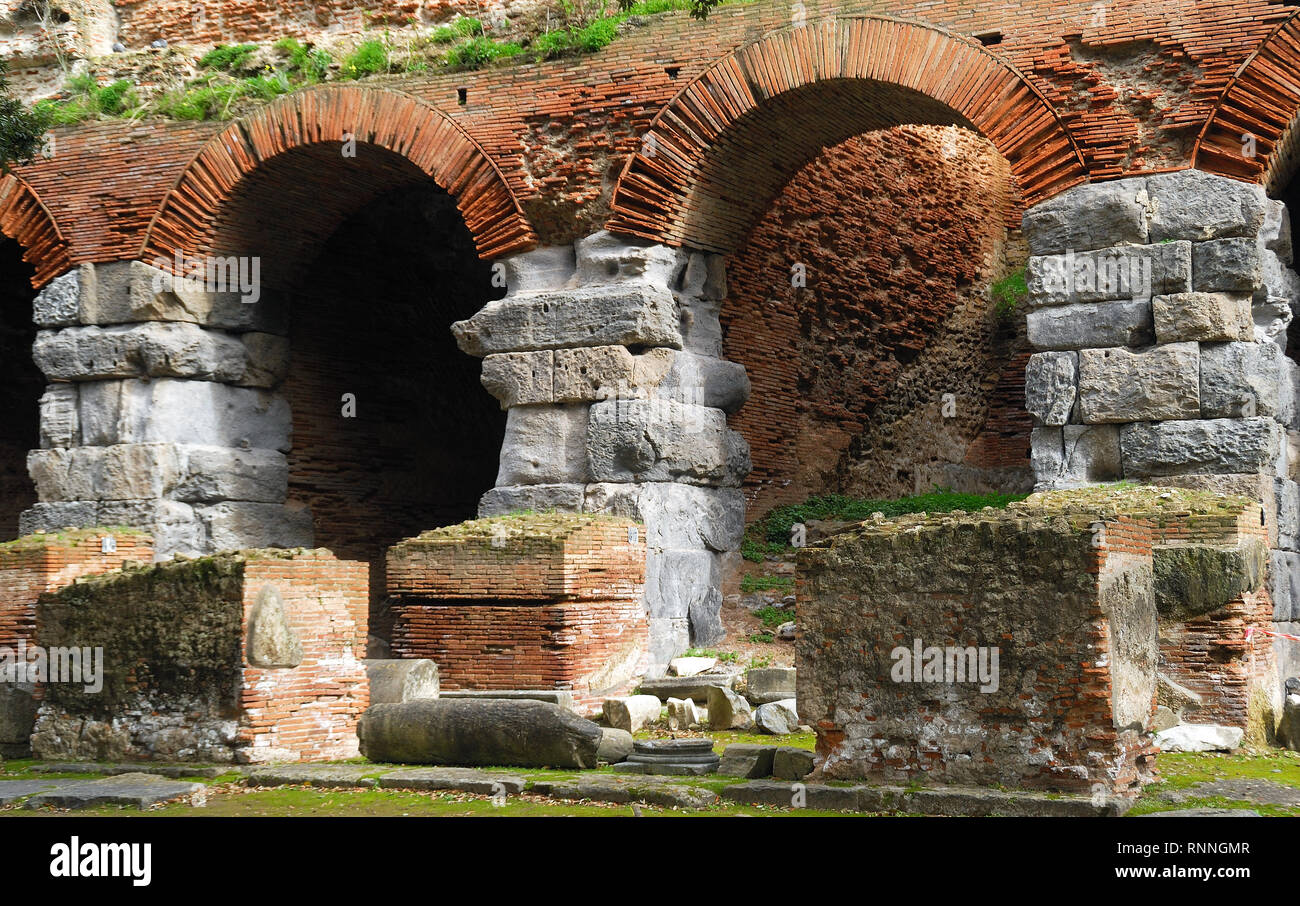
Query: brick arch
{"x": 419, "y": 136}
{"x": 712, "y": 157}
{"x": 1262, "y": 100}
{"x": 28, "y": 222}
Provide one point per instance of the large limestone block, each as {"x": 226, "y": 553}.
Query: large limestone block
{"x": 669, "y": 637}
{"x": 1203, "y": 317}
{"x": 119, "y": 472}
{"x": 401, "y": 680}
{"x": 1074, "y": 455}
{"x": 129, "y": 292}
{"x": 59, "y": 424}
{"x": 1123, "y": 323}
{"x": 266, "y": 359}
{"x": 1119, "y": 385}
{"x": 1192, "y": 204}
{"x": 180, "y": 411}
{"x": 706, "y": 381}
{"x": 659, "y": 440}
{"x": 543, "y": 268}
{"x": 729, "y": 711}
{"x": 210, "y": 474}
{"x": 1218, "y": 446}
{"x": 1286, "y": 493}
{"x": 175, "y": 526}
{"x": 627, "y": 315}
{"x": 1091, "y": 216}
{"x": 769, "y": 684}
{"x": 603, "y": 257}
{"x": 676, "y": 516}
{"x": 520, "y": 378}
{"x": 1196, "y": 579}
{"x": 478, "y": 732}
{"x": 544, "y": 445}
{"x": 631, "y": 712}
{"x": 686, "y": 585}
{"x": 1242, "y": 379}
{"x": 1051, "y": 380}
{"x": 1284, "y": 584}
{"x": 236, "y": 526}
{"x": 778, "y": 718}
{"x": 1227, "y": 266}
{"x": 564, "y": 498}
{"x": 1127, "y": 272}
{"x": 58, "y": 304}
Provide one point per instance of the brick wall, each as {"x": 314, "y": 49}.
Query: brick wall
{"x": 550, "y": 601}
{"x": 182, "y": 680}
{"x": 900, "y": 233}
{"x": 308, "y": 713}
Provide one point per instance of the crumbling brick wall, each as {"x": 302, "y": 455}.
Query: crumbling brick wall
{"x": 244, "y": 657}
{"x": 550, "y": 601}
{"x": 898, "y": 234}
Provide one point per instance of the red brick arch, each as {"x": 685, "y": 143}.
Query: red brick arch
{"x": 28, "y": 222}
{"x": 418, "y": 134}
{"x": 1260, "y": 103}
{"x": 723, "y": 147}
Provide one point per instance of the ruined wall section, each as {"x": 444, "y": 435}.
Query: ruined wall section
{"x": 858, "y": 301}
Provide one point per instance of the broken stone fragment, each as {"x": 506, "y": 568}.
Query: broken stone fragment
{"x": 271, "y": 640}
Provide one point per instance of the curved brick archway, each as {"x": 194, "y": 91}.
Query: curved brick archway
{"x": 412, "y": 133}
{"x": 26, "y": 220}
{"x": 712, "y": 159}
{"x": 1259, "y": 108}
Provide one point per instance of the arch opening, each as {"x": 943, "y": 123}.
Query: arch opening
{"x": 21, "y": 385}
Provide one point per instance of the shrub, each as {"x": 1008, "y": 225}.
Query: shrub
{"x": 369, "y": 58}
{"x": 1009, "y": 293}
{"x": 225, "y": 57}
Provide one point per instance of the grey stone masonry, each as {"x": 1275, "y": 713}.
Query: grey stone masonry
{"x": 607, "y": 356}
{"x": 1160, "y": 307}
{"x": 162, "y": 411}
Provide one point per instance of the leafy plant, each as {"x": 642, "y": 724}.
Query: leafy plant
{"x": 1009, "y": 293}
{"x": 21, "y": 130}
{"x": 750, "y": 583}
{"x": 477, "y": 52}
{"x": 225, "y": 57}
{"x": 772, "y": 617}
{"x": 312, "y": 65}
{"x": 370, "y": 58}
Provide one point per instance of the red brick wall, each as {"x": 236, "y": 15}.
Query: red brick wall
{"x": 901, "y": 232}
{"x": 309, "y": 712}
{"x": 36, "y": 564}
{"x": 524, "y": 602}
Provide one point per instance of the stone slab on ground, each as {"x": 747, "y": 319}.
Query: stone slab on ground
{"x": 681, "y": 770}
{"x": 692, "y": 687}
{"x": 13, "y": 790}
{"x": 1242, "y": 789}
{"x": 747, "y": 760}
{"x": 1199, "y": 738}
{"x": 553, "y": 696}
{"x": 465, "y": 780}
{"x": 941, "y": 801}
{"x": 650, "y": 790}
{"x": 333, "y": 776}
{"x": 140, "y": 790}
{"x": 173, "y": 771}
{"x": 792, "y": 763}
{"x": 1205, "y": 813}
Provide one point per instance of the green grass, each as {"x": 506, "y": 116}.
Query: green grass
{"x": 724, "y": 657}
{"x": 772, "y": 617}
{"x": 225, "y": 57}
{"x": 1009, "y": 293}
{"x": 775, "y": 526}
{"x": 1180, "y": 771}
{"x": 477, "y": 52}
{"x": 751, "y": 583}
{"x": 370, "y": 58}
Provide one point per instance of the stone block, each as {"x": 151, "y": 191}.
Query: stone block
{"x": 701, "y": 326}
{"x": 1222, "y": 446}
{"x": 695, "y": 688}
{"x": 675, "y": 515}
{"x": 236, "y": 526}
{"x": 1195, "y": 579}
{"x": 1203, "y": 317}
{"x": 59, "y": 425}
{"x": 778, "y": 718}
{"x": 729, "y": 711}
{"x": 1125, "y": 323}
{"x": 118, "y": 472}
{"x": 175, "y": 526}
{"x": 181, "y": 411}
{"x": 659, "y": 440}
{"x": 627, "y": 315}
{"x": 1135, "y": 272}
{"x": 686, "y": 584}
{"x": 1157, "y": 384}
{"x": 792, "y": 763}
{"x": 520, "y": 378}
{"x": 1242, "y": 379}
{"x": 706, "y": 381}
{"x": 1075, "y": 455}
{"x": 129, "y": 292}
{"x": 631, "y": 712}
{"x": 1051, "y": 380}
{"x": 1090, "y": 216}
{"x": 59, "y": 301}
{"x": 210, "y": 474}
{"x": 769, "y": 684}
{"x": 747, "y": 760}
{"x": 1284, "y": 584}
{"x": 544, "y": 268}
{"x": 1276, "y": 231}
{"x": 401, "y": 680}
{"x": 266, "y": 359}
{"x": 1286, "y": 494}
{"x": 541, "y": 498}
{"x": 603, "y": 257}
{"x": 593, "y": 373}
{"x": 1227, "y": 266}
{"x": 1191, "y": 204}
{"x": 544, "y": 445}
{"x": 55, "y": 515}
{"x": 705, "y": 277}
{"x": 669, "y": 637}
